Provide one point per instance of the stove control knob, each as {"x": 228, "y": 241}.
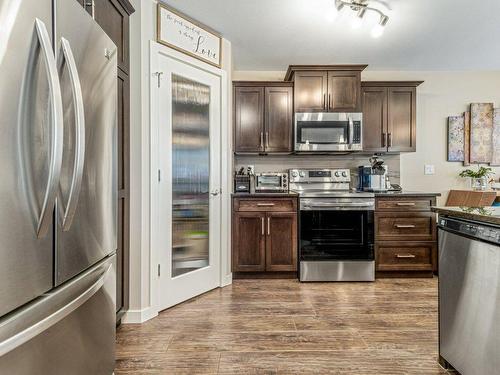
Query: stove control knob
{"x": 302, "y": 174}
{"x": 337, "y": 174}
{"x": 295, "y": 174}
{"x": 344, "y": 174}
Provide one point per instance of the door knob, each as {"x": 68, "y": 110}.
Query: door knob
{"x": 215, "y": 192}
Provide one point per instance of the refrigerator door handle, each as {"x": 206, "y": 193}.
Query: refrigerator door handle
{"x": 45, "y": 217}
{"x": 76, "y": 181}
{"x": 34, "y": 330}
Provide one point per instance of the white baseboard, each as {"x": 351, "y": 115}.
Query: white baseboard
{"x": 227, "y": 280}
{"x": 139, "y": 316}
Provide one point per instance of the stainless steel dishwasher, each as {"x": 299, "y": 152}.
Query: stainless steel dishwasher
{"x": 469, "y": 296}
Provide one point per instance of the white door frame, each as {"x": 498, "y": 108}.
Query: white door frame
{"x": 226, "y": 157}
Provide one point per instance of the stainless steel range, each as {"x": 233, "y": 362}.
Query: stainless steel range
{"x": 336, "y": 232}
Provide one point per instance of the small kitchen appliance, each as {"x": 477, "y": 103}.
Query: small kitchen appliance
{"x": 336, "y": 226}
{"x": 373, "y": 177}
{"x": 328, "y": 132}
{"x": 241, "y": 182}
{"x": 271, "y": 182}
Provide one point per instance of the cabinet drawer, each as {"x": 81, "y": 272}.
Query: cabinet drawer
{"x": 405, "y": 226}
{"x": 405, "y": 256}
{"x": 405, "y": 204}
{"x": 265, "y": 204}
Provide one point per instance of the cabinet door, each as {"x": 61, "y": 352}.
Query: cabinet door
{"x": 249, "y": 242}
{"x": 281, "y": 241}
{"x": 310, "y": 91}
{"x": 249, "y": 119}
{"x": 278, "y": 119}
{"x": 401, "y": 110}
{"x": 114, "y": 20}
{"x": 374, "y": 101}
{"x": 344, "y": 91}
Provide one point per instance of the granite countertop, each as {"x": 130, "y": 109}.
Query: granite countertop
{"x": 482, "y": 214}
{"x": 407, "y": 193}
{"x": 265, "y": 195}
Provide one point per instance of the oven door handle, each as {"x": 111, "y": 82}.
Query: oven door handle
{"x": 326, "y": 205}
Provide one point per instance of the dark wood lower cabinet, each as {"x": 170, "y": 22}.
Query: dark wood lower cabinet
{"x": 264, "y": 242}
{"x": 113, "y": 17}
{"x": 281, "y": 244}
{"x": 249, "y": 240}
{"x": 405, "y": 236}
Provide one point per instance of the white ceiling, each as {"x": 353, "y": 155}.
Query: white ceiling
{"x": 420, "y": 34}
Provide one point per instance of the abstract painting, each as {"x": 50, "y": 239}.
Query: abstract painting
{"x": 481, "y": 131}
{"x": 495, "y": 157}
{"x": 456, "y": 138}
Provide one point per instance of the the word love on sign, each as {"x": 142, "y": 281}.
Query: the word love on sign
{"x": 186, "y": 35}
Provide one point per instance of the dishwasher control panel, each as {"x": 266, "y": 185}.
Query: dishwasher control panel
{"x": 472, "y": 229}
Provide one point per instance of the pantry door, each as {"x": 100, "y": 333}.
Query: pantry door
{"x": 189, "y": 193}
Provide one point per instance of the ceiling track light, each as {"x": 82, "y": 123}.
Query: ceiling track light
{"x": 361, "y": 7}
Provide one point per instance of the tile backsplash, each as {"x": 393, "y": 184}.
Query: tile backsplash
{"x": 282, "y": 163}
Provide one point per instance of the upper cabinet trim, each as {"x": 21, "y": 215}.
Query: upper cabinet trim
{"x": 391, "y": 83}
{"x": 262, "y": 84}
{"x": 293, "y": 68}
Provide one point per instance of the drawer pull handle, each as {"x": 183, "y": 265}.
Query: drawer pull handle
{"x": 405, "y": 204}
{"x": 404, "y": 226}
{"x": 265, "y": 204}
{"x": 405, "y": 256}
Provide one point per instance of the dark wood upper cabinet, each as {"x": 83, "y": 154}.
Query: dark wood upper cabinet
{"x": 344, "y": 91}
{"x": 310, "y": 91}
{"x": 263, "y": 117}
{"x": 281, "y": 244}
{"x": 374, "y": 101}
{"x": 249, "y": 240}
{"x": 401, "y": 124}
{"x": 278, "y": 119}
{"x": 389, "y": 116}
{"x": 326, "y": 88}
{"x": 249, "y": 119}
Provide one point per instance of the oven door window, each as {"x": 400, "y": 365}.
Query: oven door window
{"x": 324, "y": 132}
{"x": 269, "y": 181}
{"x": 336, "y": 235}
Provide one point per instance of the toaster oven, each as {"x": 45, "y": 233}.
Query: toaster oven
{"x": 271, "y": 182}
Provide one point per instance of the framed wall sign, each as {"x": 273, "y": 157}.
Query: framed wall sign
{"x": 178, "y": 31}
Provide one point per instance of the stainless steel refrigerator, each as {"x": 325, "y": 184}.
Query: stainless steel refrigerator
{"x": 58, "y": 157}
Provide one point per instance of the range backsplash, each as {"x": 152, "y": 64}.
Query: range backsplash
{"x": 282, "y": 163}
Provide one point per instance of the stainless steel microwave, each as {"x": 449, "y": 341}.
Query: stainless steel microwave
{"x": 328, "y": 132}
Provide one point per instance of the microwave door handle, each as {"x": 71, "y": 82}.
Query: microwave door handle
{"x": 351, "y": 131}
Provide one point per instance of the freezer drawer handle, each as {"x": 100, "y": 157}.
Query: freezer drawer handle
{"x": 68, "y": 212}
{"x": 24, "y": 336}
{"x": 41, "y": 41}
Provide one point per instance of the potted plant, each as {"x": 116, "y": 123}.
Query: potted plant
{"x": 479, "y": 178}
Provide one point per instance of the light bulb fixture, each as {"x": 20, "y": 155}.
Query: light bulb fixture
{"x": 378, "y": 29}
{"x": 361, "y": 7}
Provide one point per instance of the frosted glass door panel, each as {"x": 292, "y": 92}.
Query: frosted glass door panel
{"x": 190, "y": 175}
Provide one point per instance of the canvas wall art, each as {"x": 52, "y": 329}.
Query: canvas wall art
{"x": 466, "y": 139}
{"x": 495, "y": 157}
{"x": 481, "y": 132}
{"x": 456, "y": 138}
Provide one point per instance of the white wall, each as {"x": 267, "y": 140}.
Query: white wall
{"x": 441, "y": 95}
{"x": 142, "y": 31}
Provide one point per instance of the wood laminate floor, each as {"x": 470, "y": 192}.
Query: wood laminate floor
{"x": 287, "y": 327}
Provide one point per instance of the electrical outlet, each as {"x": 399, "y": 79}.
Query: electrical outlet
{"x": 251, "y": 169}
{"x": 429, "y": 169}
